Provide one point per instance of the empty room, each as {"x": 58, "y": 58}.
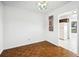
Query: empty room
{"x": 39, "y": 28}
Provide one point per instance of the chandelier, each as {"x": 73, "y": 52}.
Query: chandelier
{"x": 42, "y": 5}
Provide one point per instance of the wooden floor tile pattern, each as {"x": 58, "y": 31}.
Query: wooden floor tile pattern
{"x": 41, "y": 49}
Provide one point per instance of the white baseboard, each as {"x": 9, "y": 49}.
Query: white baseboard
{"x": 52, "y": 43}
{"x": 1, "y": 51}
{"x": 23, "y": 44}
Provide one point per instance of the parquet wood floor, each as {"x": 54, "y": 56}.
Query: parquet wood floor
{"x": 40, "y": 49}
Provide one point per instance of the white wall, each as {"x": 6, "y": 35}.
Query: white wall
{"x": 78, "y": 30}
{"x": 22, "y": 27}
{"x": 53, "y": 36}
{"x": 1, "y": 27}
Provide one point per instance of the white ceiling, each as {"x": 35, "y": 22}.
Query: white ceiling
{"x": 33, "y": 5}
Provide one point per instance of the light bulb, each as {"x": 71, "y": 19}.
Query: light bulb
{"x": 42, "y": 5}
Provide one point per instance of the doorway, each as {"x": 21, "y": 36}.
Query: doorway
{"x": 67, "y": 31}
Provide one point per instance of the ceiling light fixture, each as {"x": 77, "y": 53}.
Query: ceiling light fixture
{"x": 42, "y": 5}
